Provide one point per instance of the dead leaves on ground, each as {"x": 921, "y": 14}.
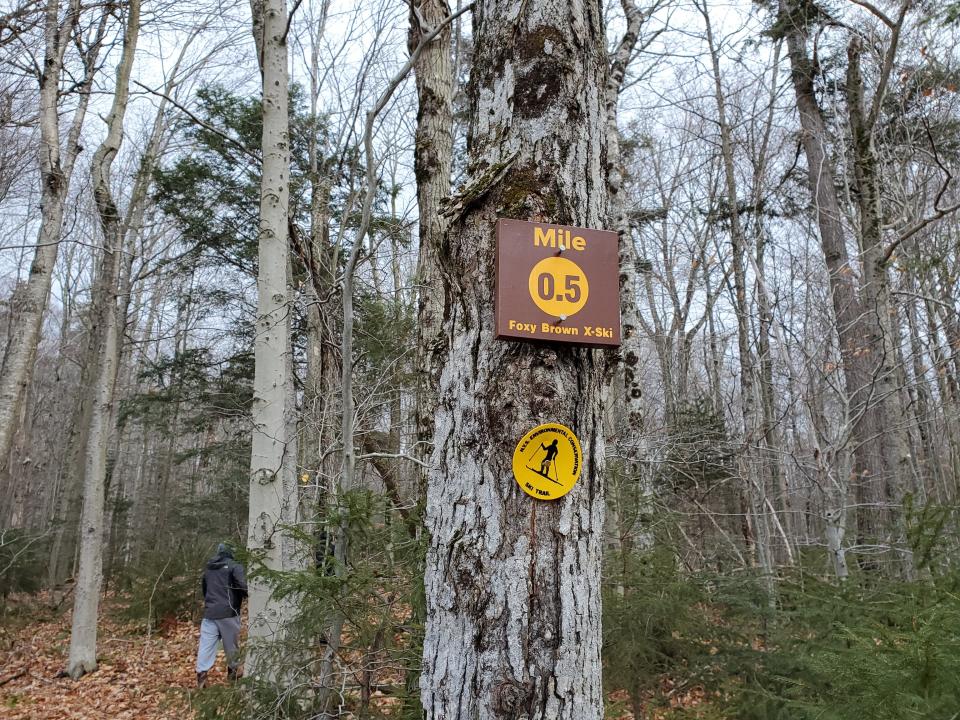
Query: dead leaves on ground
{"x": 147, "y": 678}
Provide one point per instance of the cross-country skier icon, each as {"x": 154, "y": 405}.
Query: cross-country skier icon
{"x": 549, "y": 460}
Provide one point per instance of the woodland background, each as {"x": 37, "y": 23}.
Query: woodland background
{"x": 783, "y": 424}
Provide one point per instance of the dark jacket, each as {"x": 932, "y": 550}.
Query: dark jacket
{"x": 224, "y": 587}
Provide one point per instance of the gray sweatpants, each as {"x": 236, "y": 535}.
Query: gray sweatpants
{"x": 212, "y": 631}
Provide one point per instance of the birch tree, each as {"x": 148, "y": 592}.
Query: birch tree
{"x": 83, "y": 638}
{"x": 630, "y": 352}
{"x": 512, "y": 586}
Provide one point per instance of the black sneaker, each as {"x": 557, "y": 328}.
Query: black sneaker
{"x": 201, "y": 679}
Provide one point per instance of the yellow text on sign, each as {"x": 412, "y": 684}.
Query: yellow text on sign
{"x": 558, "y": 286}
{"x": 548, "y": 461}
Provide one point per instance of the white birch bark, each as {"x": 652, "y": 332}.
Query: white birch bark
{"x": 630, "y": 441}
{"x": 834, "y": 532}
{"x": 83, "y": 638}
{"x": 513, "y": 585}
{"x": 273, "y": 488}
{"x": 629, "y": 321}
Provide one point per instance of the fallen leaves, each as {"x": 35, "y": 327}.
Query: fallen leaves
{"x": 147, "y": 678}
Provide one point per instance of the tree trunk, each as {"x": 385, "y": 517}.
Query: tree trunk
{"x": 83, "y": 638}
{"x": 749, "y": 458}
{"x": 834, "y": 535}
{"x": 433, "y": 158}
{"x": 512, "y": 584}
{"x": 859, "y": 348}
{"x": 629, "y": 321}
{"x": 630, "y": 437}
{"x": 273, "y": 488}
{"x": 879, "y": 319}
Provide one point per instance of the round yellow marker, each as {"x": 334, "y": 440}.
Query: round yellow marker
{"x": 548, "y": 461}
{"x": 558, "y": 286}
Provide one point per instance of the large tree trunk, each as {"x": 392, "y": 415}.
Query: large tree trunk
{"x": 880, "y": 317}
{"x": 273, "y": 488}
{"x": 56, "y": 169}
{"x": 83, "y": 638}
{"x": 860, "y": 346}
{"x": 433, "y": 158}
{"x": 512, "y": 584}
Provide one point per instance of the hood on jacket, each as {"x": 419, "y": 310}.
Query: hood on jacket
{"x": 224, "y": 553}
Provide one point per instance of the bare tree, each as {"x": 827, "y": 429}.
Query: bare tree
{"x": 57, "y": 160}
{"x": 83, "y": 638}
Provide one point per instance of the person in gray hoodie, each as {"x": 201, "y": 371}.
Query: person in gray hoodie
{"x": 224, "y": 589}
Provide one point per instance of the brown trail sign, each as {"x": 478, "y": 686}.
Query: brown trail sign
{"x": 557, "y": 283}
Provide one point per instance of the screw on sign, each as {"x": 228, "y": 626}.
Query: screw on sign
{"x": 557, "y": 283}
{"x": 548, "y": 461}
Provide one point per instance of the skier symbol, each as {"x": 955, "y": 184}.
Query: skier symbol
{"x": 549, "y": 459}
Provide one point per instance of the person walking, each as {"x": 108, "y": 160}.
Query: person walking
{"x": 224, "y": 589}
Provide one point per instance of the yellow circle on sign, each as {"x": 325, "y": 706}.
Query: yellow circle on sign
{"x": 548, "y": 461}
{"x": 558, "y": 286}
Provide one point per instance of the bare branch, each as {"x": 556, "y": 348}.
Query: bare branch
{"x": 874, "y": 10}
{"x": 202, "y": 123}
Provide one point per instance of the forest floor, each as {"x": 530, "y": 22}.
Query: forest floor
{"x": 140, "y": 676}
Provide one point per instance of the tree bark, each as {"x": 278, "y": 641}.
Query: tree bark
{"x": 273, "y": 487}
{"x": 859, "y": 348}
{"x": 83, "y": 638}
{"x": 880, "y": 319}
{"x": 629, "y": 321}
{"x": 433, "y": 158}
{"x": 513, "y": 585}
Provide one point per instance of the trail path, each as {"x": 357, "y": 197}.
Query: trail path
{"x": 139, "y": 677}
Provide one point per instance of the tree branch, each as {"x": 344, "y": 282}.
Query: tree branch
{"x": 887, "y": 68}
{"x": 202, "y": 123}
{"x": 874, "y": 10}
